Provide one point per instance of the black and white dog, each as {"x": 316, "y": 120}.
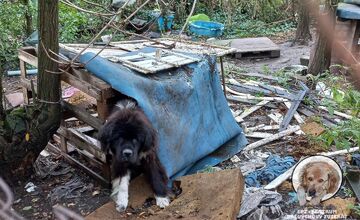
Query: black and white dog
{"x": 131, "y": 141}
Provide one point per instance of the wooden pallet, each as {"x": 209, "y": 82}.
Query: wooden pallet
{"x": 260, "y": 47}
{"x": 68, "y": 138}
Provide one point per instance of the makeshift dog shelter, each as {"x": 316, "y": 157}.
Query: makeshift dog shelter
{"x": 178, "y": 89}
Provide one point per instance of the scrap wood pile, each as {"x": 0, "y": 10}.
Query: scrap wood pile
{"x": 285, "y": 120}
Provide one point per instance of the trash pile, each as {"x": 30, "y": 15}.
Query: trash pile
{"x": 286, "y": 117}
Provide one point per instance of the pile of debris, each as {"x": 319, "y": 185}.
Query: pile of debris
{"x": 282, "y": 118}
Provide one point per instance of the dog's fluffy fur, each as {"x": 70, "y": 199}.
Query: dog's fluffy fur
{"x": 129, "y": 139}
{"x": 317, "y": 180}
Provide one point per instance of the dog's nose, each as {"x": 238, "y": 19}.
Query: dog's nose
{"x": 127, "y": 153}
{"x": 312, "y": 192}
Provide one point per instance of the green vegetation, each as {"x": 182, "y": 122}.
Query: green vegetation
{"x": 348, "y": 192}
{"x": 343, "y": 136}
{"x": 241, "y": 19}
{"x": 251, "y": 18}
{"x": 12, "y": 31}
{"x": 345, "y": 99}
{"x": 355, "y": 209}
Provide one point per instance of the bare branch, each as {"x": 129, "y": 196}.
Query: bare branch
{"x": 188, "y": 18}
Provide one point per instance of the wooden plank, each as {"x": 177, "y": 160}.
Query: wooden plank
{"x": 26, "y": 87}
{"x": 258, "y": 135}
{"x": 103, "y": 109}
{"x": 106, "y": 90}
{"x": 297, "y": 116}
{"x": 171, "y": 60}
{"x": 337, "y": 113}
{"x": 83, "y": 115}
{"x": 272, "y": 138}
{"x": 28, "y": 58}
{"x": 151, "y": 65}
{"x": 294, "y": 105}
{"x": 248, "y": 111}
{"x": 90, "y": 78}
{"x": 73, "y": 161}
{"x": 83, "y": 142}
{"x": 81, "y": 85}
{"x": 180, "y": 46}
{"x": 276, "y": 117}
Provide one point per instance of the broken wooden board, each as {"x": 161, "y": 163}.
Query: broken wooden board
{"x": 177, "y": 44}
{"x": 155, "y": 61}
{"x": 259, "y": 47}
{"x": 204, "y": 196}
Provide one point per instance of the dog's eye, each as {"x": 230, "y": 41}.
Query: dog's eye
{"x": 321, "y": 180}
{"x": 310, "y": 179}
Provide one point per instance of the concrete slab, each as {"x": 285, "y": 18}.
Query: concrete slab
{"x": 204, "y": 196}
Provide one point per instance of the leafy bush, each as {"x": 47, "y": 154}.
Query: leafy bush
{"x": 77, "y": 26}
{"x": 12, "y": 32}
{"x": 344, "y": 135}
{"x": 243, "y": 24}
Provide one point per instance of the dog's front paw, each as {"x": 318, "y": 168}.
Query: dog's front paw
{"x": 121, "y": 202}
{"x": 162, "y": 202}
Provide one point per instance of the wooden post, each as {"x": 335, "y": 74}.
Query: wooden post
{"x": 23, "y": 74}
{"x": 223, "y": 75}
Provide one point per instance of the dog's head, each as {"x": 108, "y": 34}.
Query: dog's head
{"x": 319, "y": 179}
{"x": 125, "y": 137}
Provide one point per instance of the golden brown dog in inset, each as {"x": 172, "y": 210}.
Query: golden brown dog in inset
{"x": 317, "y": 180}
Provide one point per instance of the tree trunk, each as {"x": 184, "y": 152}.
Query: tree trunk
{"x": 303, "y": 34}
{"x": 25, "y": 132}
{"x": 320, "y": 56}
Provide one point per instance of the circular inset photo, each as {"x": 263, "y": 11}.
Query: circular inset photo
{"x": 315, "y": 179}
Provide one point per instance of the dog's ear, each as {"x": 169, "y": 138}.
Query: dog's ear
{"x": 333, "y": 181}
{"x": 149, "y": 139}
{"x": 106, "y": 136}
{"x": 303, "y": 178}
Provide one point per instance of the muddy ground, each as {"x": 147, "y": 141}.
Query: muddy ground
{"x": 84, "y": 194}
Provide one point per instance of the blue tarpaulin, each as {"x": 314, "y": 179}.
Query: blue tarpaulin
{"x": 185, "y": 105}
